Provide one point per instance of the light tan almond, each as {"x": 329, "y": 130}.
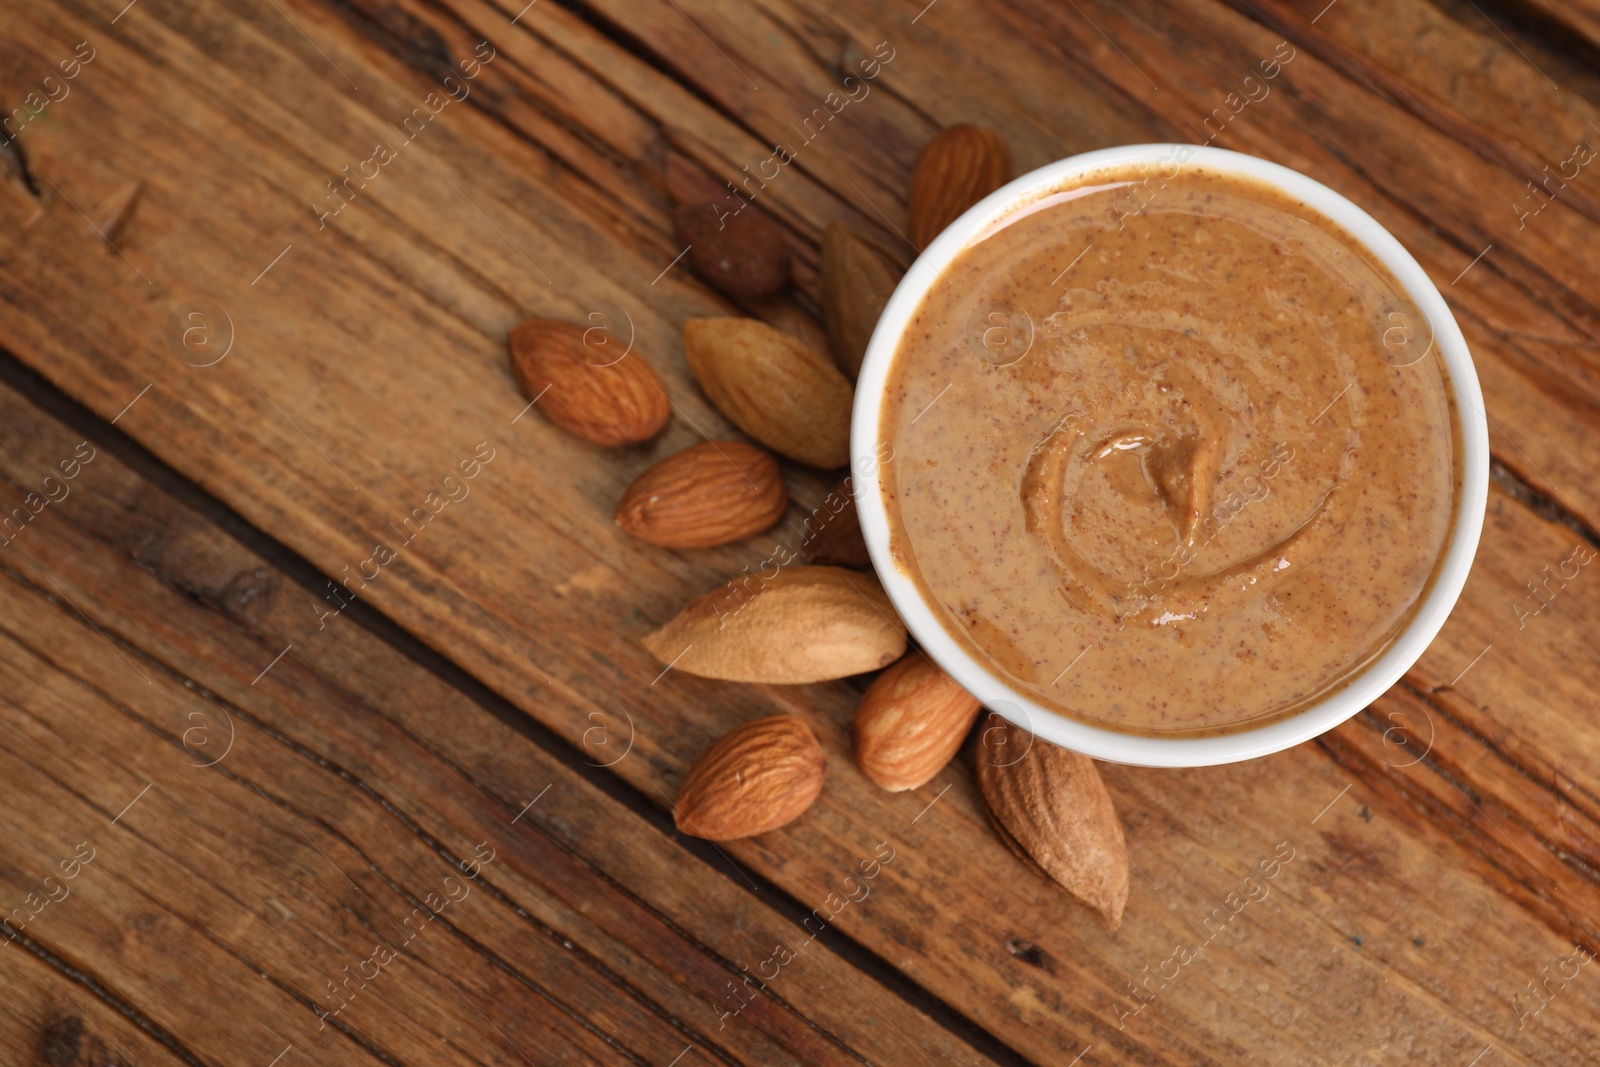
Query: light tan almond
{"x": 583, "y": 386}
{"x": 959, "y": 167}
{"x": 833, "y": 531}
{"x": 804, "y": 624}
{"x": 857, "y": 281}
{"x": 757, "y": 778}
{"x": 1050, "y": 806}
{"x": 773, "y": 387}
{"x": 911, "y": 723}
{"x": 712, "y": 493}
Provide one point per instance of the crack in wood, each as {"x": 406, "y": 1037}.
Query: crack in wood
{"x": 16, "y": 158}
{"x": 1429, "y": 698}
{"x": 1435, "y": 112}
{"x": 415, "y": 829}
{"x": 105, "y": 996}
{"x": 1462, "y": 829}
{"x": 286, "y": 561}
{"x": 1540, "y": 503}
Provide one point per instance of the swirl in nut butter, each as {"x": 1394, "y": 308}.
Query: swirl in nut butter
{"x": 1172, "y": 457}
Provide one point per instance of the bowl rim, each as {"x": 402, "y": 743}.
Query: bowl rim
{"x": 1094, "y": 741}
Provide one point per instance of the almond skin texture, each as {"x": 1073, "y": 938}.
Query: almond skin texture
{"x": 910, "y": 724}
{"x": 857, "y": 281}
{"x": 773, "y": 387}
{"x": 833, "y": 531}
{"x": 757, "y": 778}
{"x": 709, "y": 494}
{"x": 586, "y": 389}
{"x": 805, "y": 624}
{"x": 737, "y": 252}
{"x": 960, "y": 166}
{"x": 1052, "y": 809}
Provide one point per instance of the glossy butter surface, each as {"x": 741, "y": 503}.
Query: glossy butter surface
{"x": 1172, "y": 455}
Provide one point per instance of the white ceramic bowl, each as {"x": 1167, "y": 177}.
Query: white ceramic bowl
{"x": 977, "y": 677}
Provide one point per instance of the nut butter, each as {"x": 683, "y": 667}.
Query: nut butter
{"x": 1172, "y": 456}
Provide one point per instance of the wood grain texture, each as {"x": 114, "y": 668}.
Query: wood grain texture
{"x": 310, "y": 809}
{"x": 1443, "y": 843}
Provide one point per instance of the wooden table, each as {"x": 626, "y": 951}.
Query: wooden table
{"x": 239, "y": 783}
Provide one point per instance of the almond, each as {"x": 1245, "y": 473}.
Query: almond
{"x": 833, "y": 531}
{"x": 857, "y": 281}
{"x": 757, "y": 778}
{"x": 960, "y": 166}
{"x": 773, "y": 387}
{"x": 734, "y": 248}
{"x": 804, "y": 624}
{"x": 784, "y": 314}
{"x": 911, "y": 723}
{"x": 709, "y": 494}
{"x": 583, "y": 387}
{"x": 1051, "y": 807}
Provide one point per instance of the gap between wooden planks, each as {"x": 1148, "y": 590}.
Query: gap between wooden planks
{"x": 284, "y": 834}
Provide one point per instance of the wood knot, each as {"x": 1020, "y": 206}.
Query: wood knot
{"x": 66, "y": 1043}
{"x": 240, "y": 597}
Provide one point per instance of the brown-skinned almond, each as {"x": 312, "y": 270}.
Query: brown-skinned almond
{"x": 1051, "y": 807}
{"x": 910, "y": 724}
{"x": 584, "y": 386}
{"x": 758, "y": 777}
{"x": 712, "y": 493}
{"x": 773, "y": 387}
{"x": 798, "y": 625}
{"x": 736, "y": 249}
{"x": 833, "y": 531}
{"x": 960, "y": 166}
{"x": 857, "y": 281}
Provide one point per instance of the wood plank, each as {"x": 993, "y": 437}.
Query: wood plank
{"x": 1574, "y": 19}
{"x": 537, "y": 553}
{"x": 1444, "y": 200}
{"x": 348, "y": 787}
{"x": 49, "y": 1018}
{"x": 1471, "y": 172}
